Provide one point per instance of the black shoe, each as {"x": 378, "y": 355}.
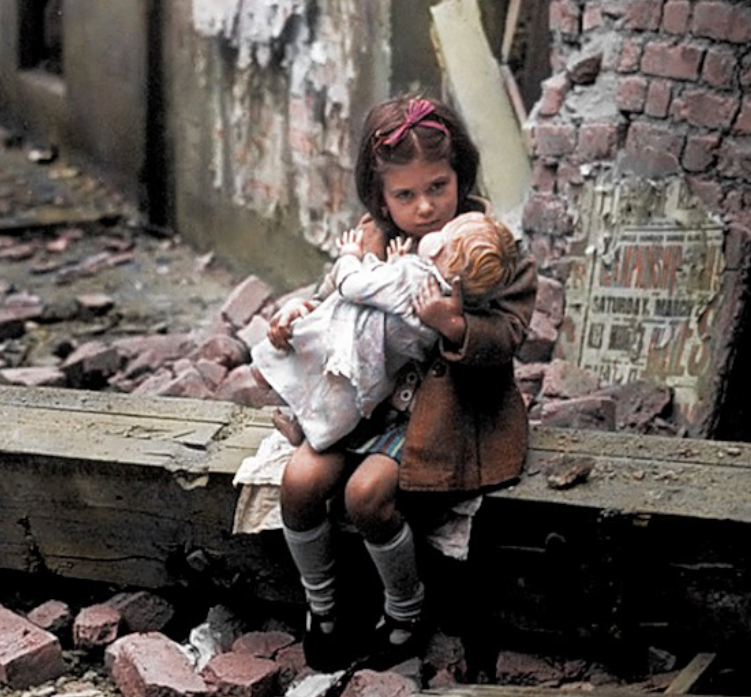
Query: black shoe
{"x": 323, "y": 645}
{"x": 396, "y": 641}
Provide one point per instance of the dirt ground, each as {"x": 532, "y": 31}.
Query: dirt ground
{"x": 64, "y": 235}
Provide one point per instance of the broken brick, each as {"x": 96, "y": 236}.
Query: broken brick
{"x": 142, "y": 611}
{"x": 262, "y": 644}
{"x": 241, "y": 674}
{"x": 96, "y": 626}
{"x": 371, "y": 683}
{"x": 245, "y": 300}
{"x": 29, "y": 655}
{"x": 152, "y": 665}
{"x": 53, "y": 616}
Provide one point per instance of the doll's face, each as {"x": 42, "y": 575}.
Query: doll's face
{"x": 437, "y": 247}
{"x": 421, "y": 196}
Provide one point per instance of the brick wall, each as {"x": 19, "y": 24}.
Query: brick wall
{"x": 658, "y": 87}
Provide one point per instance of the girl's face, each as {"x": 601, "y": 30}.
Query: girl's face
{"x": 421, "y": 196}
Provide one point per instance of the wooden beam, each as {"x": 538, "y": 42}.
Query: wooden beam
{"x": 509, "y": 32}
{"x": 477, "y": 88}
{"x": 687, "y": 679}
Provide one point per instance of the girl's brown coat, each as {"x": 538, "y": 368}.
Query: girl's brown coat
{"x": 468, "y": 429}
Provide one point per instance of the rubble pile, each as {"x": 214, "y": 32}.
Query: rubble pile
{"x": 213, "y": 361}
{"x": 55, "y": 648}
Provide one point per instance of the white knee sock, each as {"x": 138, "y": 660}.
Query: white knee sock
{"x": 312, "y": 552}
{"x": 397, "y": 566}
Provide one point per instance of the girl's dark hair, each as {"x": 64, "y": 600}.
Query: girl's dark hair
{"x": 419, "y": 141}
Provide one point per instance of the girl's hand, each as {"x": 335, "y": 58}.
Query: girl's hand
{"x": 443, "y": 313}
{"x": 280, "y": 326}
{"x": 351, "y": 242}
{"x": 398, "y": 247}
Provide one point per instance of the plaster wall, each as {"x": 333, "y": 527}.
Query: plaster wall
{"x": 265, "y": 99}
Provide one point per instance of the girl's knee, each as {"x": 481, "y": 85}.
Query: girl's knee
{"x": 370, "y": 497}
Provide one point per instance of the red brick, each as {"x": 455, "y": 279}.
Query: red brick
{"x": 223, "y": 349}
{"x": 631, "y": 93}
{"x": 96, "y": 626}
{"x": 743, "y": 122}
{"x": 29, "y": 655}
{"x": 142, "y": 611}
{"x": 592, "y": 17}
{"x": 665, "y": 59}
{"x": 653, "y": 151}
{"x": 543, "y": 176}
{"x": 554, "y": 139}
{"x": 708, "y": 191}
{"x": 152, "y": 665}
{"x": 700, "y": 152}
{"x": 54, "y": 616}
{"x": 630, "y": 57}
{"x": 705, "y": 108}
{"x": 659, "y": 97}
{"x": 547, "y": 214}
{"x": 598, "y": 141}
{"x": 719, "y": 67}
{"x": 241, "y": 674}
{"x": 565, "y": 17}
{"x": 643, "y": 15}
{"x": 91, "y": 363}
{"x": 554, "y": 91}
{"x": 723, "y": 21}
{"x": 245, "y": 300}
{"x": 735, "y": 158}
{"x": 565, "y": 380}
{"x": 675, "y": 17}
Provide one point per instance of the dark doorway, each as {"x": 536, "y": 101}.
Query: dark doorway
{"x": 40, "y": 35}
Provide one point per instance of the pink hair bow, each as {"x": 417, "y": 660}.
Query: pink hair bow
{"x": 417, "y": 110}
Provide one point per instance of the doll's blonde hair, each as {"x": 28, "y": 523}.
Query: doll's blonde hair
{"x": 483, "y": 255}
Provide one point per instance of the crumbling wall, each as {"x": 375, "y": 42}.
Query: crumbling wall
{"x": 266, "y": 99}
{"x": 652, "y": 93}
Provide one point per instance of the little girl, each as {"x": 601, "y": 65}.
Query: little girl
{"x": 447, "y": 431}
{"x": 347, "y": 353}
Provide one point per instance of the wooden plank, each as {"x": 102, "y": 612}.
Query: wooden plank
{"x": 688, "y": 678}
{"x": 640, "y": 475}
{"x": 512, "y": 22}
{"x": 476, "y": 86}
{"x": 117, "y": 403}
{"x": 519, "y": 691}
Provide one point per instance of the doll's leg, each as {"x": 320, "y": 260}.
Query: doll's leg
{"x": 288, "y": 426}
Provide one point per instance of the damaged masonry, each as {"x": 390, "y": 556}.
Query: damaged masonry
{"x": 148, "y": 235}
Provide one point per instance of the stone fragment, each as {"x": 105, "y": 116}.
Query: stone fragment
{"x": 94, "y": 304}
{"x": 96, "y": 626}
{"x": 152, "y": 665}
{"x": 142, "y": 611}
{"x": 29, "y": 655}
{"x": 241, "y": 674}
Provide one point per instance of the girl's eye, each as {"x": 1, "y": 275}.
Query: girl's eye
{"x": 403, "y": 196}
{"x": 437, "y": 187}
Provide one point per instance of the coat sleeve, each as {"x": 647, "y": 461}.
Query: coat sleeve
{"x": 494, "y": 334}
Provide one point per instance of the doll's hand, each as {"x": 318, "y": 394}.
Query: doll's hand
{"x": 280, "y": 326}
{"x": 398, "y": 247}
{"x": 351, "y": 242}
{"x": 443, "y": 313}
